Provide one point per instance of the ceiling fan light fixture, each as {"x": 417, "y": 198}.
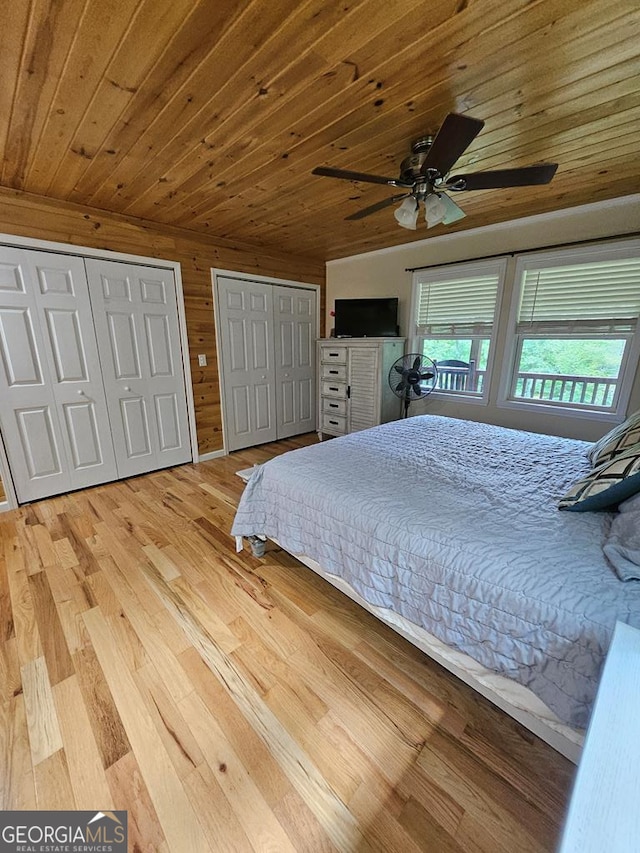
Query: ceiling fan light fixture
{"x": 452, "y": 212}
{"x": 435, "y": 210}
{"x": 407, "y": 214}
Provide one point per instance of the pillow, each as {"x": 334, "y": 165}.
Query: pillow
{"x": 607, "y": 485}
{"x": 615, "y": 441}
{"x": 622, "y": 547}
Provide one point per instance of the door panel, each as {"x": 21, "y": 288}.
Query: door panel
{"x": 295, "y": 325}
{"x": 286, "y": 404}
{"x": 136, "y": 321}
{"x": 38, "y": 442}
{"x": 307, "y": 398}
{"x": 158, "y": 342}
{"x": 19, "y": 352}
{"x": 66, "y": 343}
{"x": 123, "y": 345}
{"x": 80, "y": 419}
{"x": 364, "y": 370}
{"x": 54, "y": 421}
{"x": 263, "y": 406}
{"x": 55, "y": 280}
{"x": 167, "y": 414}
{"x": 246, "y": 348}
{"x": 261, "y": 342}
{"x": 240, "y": 411}
{"x": 136, "y": 427}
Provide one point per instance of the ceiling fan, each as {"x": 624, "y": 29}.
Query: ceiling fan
{"x": 424, "y": 174}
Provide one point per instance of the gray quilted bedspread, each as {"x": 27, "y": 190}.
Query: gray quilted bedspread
{"x": 453, "y": 524}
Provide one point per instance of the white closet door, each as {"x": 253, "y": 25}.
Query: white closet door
{"x": 294, "y": 314}
{"x": 136, "y": 322}
{"x": 53, "y": 416}
{"x": 248, "y": 374}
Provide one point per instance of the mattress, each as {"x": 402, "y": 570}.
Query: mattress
{"x": 453, "y": 524}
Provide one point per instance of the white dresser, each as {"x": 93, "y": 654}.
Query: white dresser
{"x": 353, "y": 386}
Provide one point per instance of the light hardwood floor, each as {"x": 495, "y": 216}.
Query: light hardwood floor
{"x": 231, "y": 703}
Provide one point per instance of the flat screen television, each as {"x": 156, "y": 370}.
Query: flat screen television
{"x": 366, "y": 318}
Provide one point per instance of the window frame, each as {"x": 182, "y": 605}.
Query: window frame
{"x": 514, "y": 340}
{"x": 446, "y": 272}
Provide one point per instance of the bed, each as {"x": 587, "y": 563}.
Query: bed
{"x": 449, "y": 531}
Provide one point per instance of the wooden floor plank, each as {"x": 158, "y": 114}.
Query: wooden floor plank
{"x": 104, "y": 716}
{"x": 179, "y": 822}
{"x": 86, "y": 772}
{"x": 17, "y": 788}
{"x": 130, "y": 793}
{"x": 42, "y": 719}
{"x": 24, "y": 620}
{"x": 54, "y": 644}
{"x": 219, "y": 821}
{"x": 264, "y": 830}
{"x": 54, "y": 790}
{"x": 234, "y": 703}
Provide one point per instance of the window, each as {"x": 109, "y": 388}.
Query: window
{"x": 575, "y": 329}
{"x": 454, "y": 314}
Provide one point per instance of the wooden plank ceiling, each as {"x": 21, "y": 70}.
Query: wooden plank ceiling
{"x": 211, "y": 115}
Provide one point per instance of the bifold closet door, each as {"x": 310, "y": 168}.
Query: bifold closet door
{"x": 53, "y": 415}
{"x": 136, "y": 323}
{"x": 294, "y": 316}
{"x": 248, "y": 374}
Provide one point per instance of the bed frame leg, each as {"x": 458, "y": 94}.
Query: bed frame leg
{"x": 257, "y": 545}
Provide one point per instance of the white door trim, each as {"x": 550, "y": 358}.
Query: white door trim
{"x": 284, "y": 282}
{"x": 90, "y": 252}
{"x": 11, "y": 499}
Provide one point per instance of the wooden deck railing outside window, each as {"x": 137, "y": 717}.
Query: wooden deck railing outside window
{"x": 550, "y": 387}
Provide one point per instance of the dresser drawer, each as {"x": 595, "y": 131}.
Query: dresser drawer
{"x": 334, "y": 389}
{"x": 334, "y": 424}
{"x": 334, "y": 371}
{"x": 334, "y": 407}
{"x": 333, "y": 355}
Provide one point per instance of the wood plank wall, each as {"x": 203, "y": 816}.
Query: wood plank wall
{"x": 34, "y": 216}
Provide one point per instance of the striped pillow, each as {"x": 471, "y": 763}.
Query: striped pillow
{"x": 607, "y": 485}
{"x": 616, "y": 441}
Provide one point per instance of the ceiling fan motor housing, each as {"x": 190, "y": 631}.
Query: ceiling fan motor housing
{"x": 411, "y": 166}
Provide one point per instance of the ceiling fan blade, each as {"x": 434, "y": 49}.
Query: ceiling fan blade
{"x": 401, "y": 385}
{"x": 416, "y": 362}
{"x": 416, "y": 390}
{"x": 380, "y": 205}
{"x": 399, "y": 369}
{"x": 425, "y": 376}
{"x": 346, "y": 175}
{"x": 452, "y": 140}
{"x": 527, "y": 176}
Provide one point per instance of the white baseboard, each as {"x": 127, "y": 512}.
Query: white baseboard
{"x": 215, "y": 454}
{"x": 5, "y": 506}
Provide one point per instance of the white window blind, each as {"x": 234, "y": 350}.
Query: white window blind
{"x": 601, "y": 297}
{"x": 457, "y": 306}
